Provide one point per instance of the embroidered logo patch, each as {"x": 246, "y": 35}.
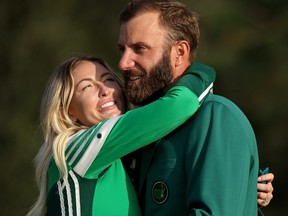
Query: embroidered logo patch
{"x": 159, "y": 192}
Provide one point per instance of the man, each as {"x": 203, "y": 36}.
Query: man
{"x": 209, "y": 165}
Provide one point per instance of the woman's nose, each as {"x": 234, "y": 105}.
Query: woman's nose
{"x": 104, "y": 91}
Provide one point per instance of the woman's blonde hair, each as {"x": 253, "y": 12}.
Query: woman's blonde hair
{"x": 57, "y": 126}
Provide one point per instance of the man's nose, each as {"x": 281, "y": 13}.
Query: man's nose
{"x": 126, "y": 61}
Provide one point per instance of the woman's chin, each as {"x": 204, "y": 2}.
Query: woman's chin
{"x": 114, "y": 114}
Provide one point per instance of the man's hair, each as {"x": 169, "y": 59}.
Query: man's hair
{"x": 174, "y": 17}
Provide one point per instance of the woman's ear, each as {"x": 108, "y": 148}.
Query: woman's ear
{"x": 72, "y": 117}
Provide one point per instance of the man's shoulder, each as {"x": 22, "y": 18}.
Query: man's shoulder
{"x": 219, "y": 110}
{"x": 215, "y": 98}
{"x": 219, "y": 102}
{"x": 216, "y": 114}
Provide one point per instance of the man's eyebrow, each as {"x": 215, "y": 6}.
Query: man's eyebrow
{"x": 139, "y": 43}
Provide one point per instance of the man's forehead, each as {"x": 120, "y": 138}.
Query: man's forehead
{"x": 143, "y": 27}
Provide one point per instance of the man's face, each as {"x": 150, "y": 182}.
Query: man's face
{"x": 145, "y": 62}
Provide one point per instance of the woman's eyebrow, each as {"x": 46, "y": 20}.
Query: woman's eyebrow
{"x": 82, "y": 80}
{"x": 108, "y": 73}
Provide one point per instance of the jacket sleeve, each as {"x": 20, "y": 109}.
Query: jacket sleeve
{"x": 144, "y": 125}
{"x": 198, "y": 78}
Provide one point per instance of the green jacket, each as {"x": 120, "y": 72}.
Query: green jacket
{"x": 207, "y": 166}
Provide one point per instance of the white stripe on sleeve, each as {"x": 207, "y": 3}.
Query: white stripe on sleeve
{"x": 95, "y": 146}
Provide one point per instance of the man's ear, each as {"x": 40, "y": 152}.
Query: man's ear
{"x": 182, "y": 51}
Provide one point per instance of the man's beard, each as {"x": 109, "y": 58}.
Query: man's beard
{"x": 152, "y": 84}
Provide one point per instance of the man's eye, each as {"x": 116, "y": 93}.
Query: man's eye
{"x": 121, "y": 49}
{"x": 139, "y": 49}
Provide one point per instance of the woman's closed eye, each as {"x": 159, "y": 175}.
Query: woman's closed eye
{"x": 109, "y": 80}
{"x": 84, "y": 85}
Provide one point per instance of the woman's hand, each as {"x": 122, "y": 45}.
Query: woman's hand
{"x": 265, "y": 190}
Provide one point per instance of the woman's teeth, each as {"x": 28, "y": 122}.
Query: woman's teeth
{"x": 107, "y": 104}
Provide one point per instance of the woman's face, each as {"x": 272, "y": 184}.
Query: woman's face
{"x": 97, "y": 95}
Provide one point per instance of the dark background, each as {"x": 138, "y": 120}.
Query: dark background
{"x": 245, "y": 41}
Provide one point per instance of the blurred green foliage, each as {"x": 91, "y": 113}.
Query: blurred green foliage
{"x": 245, "y": 41}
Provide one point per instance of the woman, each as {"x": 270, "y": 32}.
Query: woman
{"x": 79, "y": 171}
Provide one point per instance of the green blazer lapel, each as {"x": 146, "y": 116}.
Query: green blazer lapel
{"x": 146, "y": 158}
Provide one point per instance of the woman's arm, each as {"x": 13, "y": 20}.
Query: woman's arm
{"x": 144, "y": 125}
